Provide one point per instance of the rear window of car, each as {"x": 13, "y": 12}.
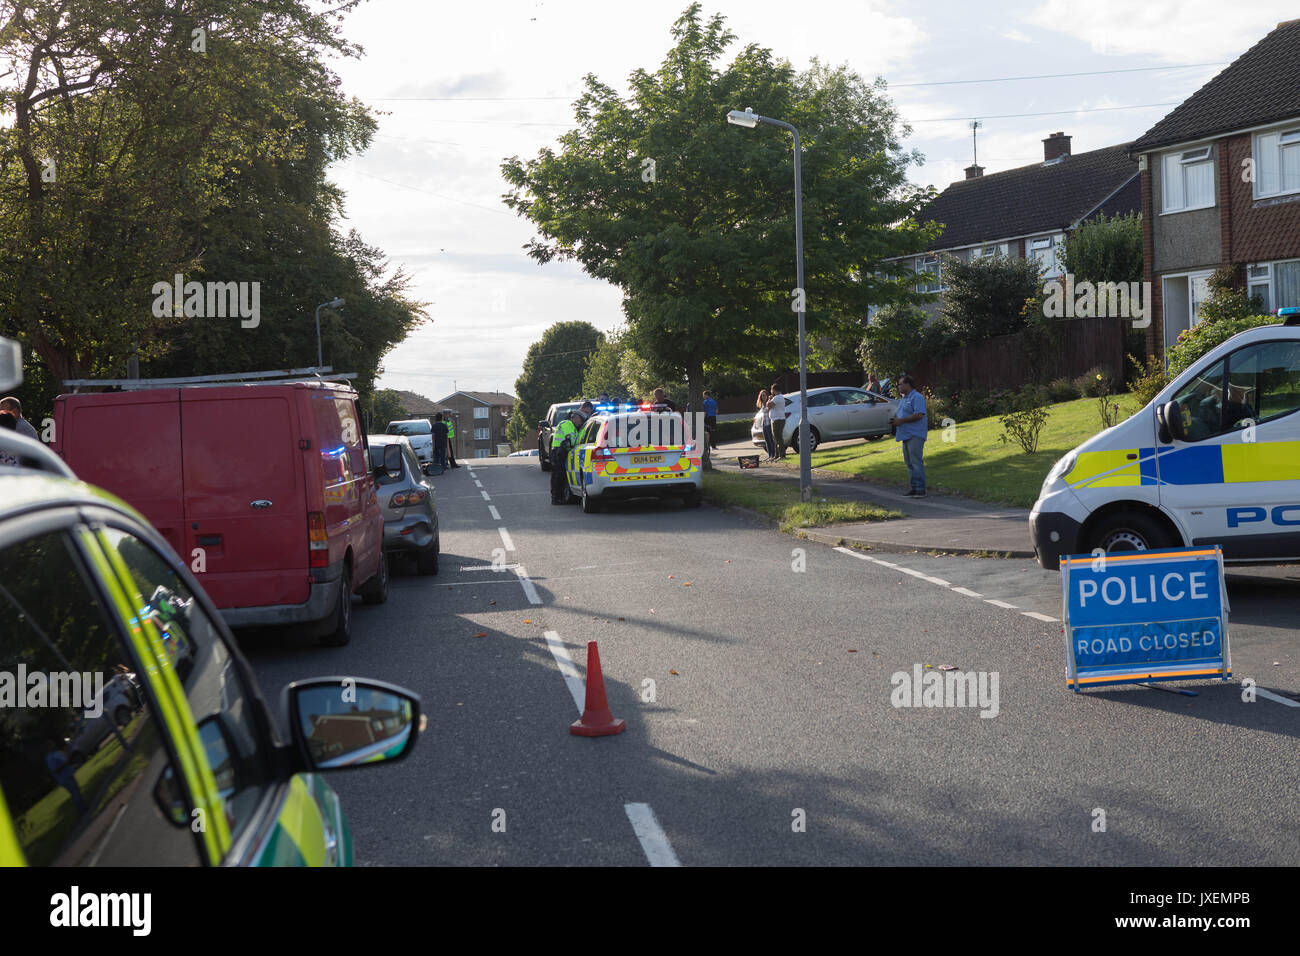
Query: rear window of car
{"x": 639, "y": 429}
{"x": 410, "y": 428}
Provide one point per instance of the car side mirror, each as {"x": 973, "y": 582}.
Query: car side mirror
{"x": 542, "y": 423}
{"x": 339, "y": 723}
{"x": 1170, "y": 417}
{"x": 393, "y": 459}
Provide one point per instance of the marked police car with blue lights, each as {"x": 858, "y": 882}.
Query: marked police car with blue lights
{"x": 636, "y": 451}
{"x": 1214, "y": 459}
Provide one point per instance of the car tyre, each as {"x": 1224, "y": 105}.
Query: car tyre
{"x": 426, "y": 562}
{"x": 375, "y": 591}
{"x": 1129, "y": 531}
{"x": 814, "y": 440}
{"x": 542, "y": 460}
{"x": 341, "y": 621}
{"x": 590, "y": 505}
{"x": 693, "y": 500}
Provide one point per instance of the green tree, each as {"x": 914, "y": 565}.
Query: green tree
{"x": 898, "y": 337}
{"x": 988, "y": 297}
{"x": 693, "y": 218}
{"x": 553, "y": 372}
{"x": 1105, "y": 250}
{"x": 604, "y": 372}
{"x": 383, "y": 406}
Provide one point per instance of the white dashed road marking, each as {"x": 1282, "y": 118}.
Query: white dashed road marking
{"x": 496, "y": 515}
{"x": 477, "y": 482}
{"x": 485, "y": 496}
{"x": 1001, "y": 604}
{"x": 968, "y": 592}
{"x": 1041, "y": 617}
{"x": 1269, "y": 695}
{"x": 505, "y": 539}
{"x": 653, "y": 839}
{"x": 568, "y": 670}
{"x": 530, "y": 589}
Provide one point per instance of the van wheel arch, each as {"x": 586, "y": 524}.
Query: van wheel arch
{"x": 1145, "y": 512}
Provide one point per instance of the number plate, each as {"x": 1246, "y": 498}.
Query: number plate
{"x": 647, "y": 459}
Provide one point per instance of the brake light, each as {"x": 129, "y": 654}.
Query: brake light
{"x": 317, "y": 543}
{"x": 404, "y": 499}
{"x": 601, "y": 453}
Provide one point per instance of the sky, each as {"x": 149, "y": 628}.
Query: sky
{"x": 458, "y": 87}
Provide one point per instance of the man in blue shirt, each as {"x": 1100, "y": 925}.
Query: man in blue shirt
{"x": 911, "y": 428}
{"x": 711, "y": 419}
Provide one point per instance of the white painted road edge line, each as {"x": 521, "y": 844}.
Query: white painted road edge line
{"x": 568, "y": 670}
{"x": 477, "y": 483}
{"x": 530, "y": 589}
{"x": 505, "y": 539}
{"x": 1041, "y": 617}
{"x": 496, "y": 515}
{"x": 1001, "y": 604}
{"x": 658, "y": 851}
{"x": 485, "y": 496}
{"x": 1269, "y": 695}
{"x": 968, "y": 592}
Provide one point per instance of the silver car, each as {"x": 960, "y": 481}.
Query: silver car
{"x": 835, "y": 413}
{"x": 420, "y": 433}
{"x": 407, "y": 499}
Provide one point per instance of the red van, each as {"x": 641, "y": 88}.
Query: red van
{"x": 263, "y": 489}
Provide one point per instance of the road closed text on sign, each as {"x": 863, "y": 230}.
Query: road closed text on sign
{"x": 1145, "y": 616}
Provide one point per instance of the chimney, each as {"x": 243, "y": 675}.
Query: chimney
{"x": 974, "y": 171}
{"x": 1056, "y": 146}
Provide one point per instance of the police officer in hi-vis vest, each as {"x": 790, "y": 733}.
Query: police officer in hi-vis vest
{"x": 451, "y": 443}
{"x": 563, "y": 438}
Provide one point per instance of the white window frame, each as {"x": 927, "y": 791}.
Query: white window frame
{"x": 1180, "y": 160}
{"x": 1051, "y": 263}
{"x": 1268, "y": 280}
{"x": 920, "y": 264}
{"x": 1288, "y": 138}
{"x": 481, "y": 411}
{"x": 990, "y": 251}
{"x": 482, "y": 434}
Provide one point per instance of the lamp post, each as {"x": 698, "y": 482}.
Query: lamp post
{"x": 331, "y": 304}
{"x": 749, "y": 119}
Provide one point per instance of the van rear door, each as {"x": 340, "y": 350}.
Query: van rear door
{"x": 244, "y": 504}
{"x": 128, "y": 443}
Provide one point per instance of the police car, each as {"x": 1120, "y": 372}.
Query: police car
{"x": 194, "y": 771}
{"x": 1214, "y": 459}
{"x": 634, "y": 451}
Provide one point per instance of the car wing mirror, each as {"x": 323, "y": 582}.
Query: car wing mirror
{"x": 339, "y": 723}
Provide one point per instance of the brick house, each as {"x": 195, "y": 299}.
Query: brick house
{"x": 480, "y": 419}
{"x": 1027, "y": 211}
{"x": 1221, "y": 187}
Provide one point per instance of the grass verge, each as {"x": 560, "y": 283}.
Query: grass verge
{"x": 780, "y": 500}
{"x": 974, "y": 463}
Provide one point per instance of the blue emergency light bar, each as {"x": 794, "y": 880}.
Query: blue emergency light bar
{"x": 1291, "y": 314}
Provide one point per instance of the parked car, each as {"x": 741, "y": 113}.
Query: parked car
{"x": 529, "y": 453}
{"x": 420, "y": 432}
{"x": 200, "y": 774}
{"x": 265, "y": 489}
{"x": 118, "y": 700}
{"x": 546, "y": 427}
{"x": 408, "y": 501}
{"x": 834, "y": 414}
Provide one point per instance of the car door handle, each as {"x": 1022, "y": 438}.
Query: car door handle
{"x": 260, "y": 503}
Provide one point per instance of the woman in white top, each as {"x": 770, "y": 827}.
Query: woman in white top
{"x": 766, "y": 422}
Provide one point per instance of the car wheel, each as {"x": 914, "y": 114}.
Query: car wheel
{"x": 375, "y": 591}
{"x": 1129, "y": 531}
{"x": 874, "y": 437}
{"x": 122, "y": 715}
{"x": 541, "y": 459}
{"x": 814, "y": 440}
{"x": 426, "y": 562}
{"x": 590, "y": 505}
{"x": 693, "y": 500}
{"x": 341, "y": 621}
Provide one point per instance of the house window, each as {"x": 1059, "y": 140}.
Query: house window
{"x": 481, "y": 434}
{"x": 481, "y": 452}
{"x": 481, "y": 411}
{"x": 1276, "y": 283}
{"x": 1188, "y": 180}
{"x": 1277, "y": 163}
{"x": 1045, "y": 249}
{"x": 928, "y": 266}
{"x": 988, "y": 252}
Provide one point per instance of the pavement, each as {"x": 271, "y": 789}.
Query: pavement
{"x": 938, "y": 522}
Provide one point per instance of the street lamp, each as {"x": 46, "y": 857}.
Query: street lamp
{"x": 331, "y": 304}
{"x": 749, "y": 119}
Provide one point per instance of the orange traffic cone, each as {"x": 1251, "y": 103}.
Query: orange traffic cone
{"x": 596, "y": 720}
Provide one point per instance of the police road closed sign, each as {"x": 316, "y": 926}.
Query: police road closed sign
{"x": 1145, "y": 616}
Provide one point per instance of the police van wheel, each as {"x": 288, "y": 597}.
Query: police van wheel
{"x": 590, "y": 505}
{"x": 1129, "y": 531}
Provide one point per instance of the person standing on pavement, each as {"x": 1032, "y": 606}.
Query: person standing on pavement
{"x": 765, "y": 421}
{"x": 439, "y": 441}
{"x": 562, "y": 439}
{"x": 14, "y": 407}
{"x": 451, "y": 443}
{"x": 910, "y": 422}
{"x": 779, "y": 414}
{"x": 711, "y": 419}
{"x": 873, "y": 383}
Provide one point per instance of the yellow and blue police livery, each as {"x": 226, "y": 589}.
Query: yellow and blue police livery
{"x": 634, "y": 451}
{"x": 1214, "y": 459}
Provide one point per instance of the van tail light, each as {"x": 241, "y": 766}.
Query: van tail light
{"x": 317, "y": 544}
{"x": 404, "y": 499}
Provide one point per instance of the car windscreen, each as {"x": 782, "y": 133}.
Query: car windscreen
{"x": 410, "y": 428}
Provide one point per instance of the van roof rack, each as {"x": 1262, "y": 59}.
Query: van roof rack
{"x": 31, "y": 454}
{"x": 278, "y": 377}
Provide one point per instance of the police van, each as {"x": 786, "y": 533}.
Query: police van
{"x": 1214, "y": 459}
